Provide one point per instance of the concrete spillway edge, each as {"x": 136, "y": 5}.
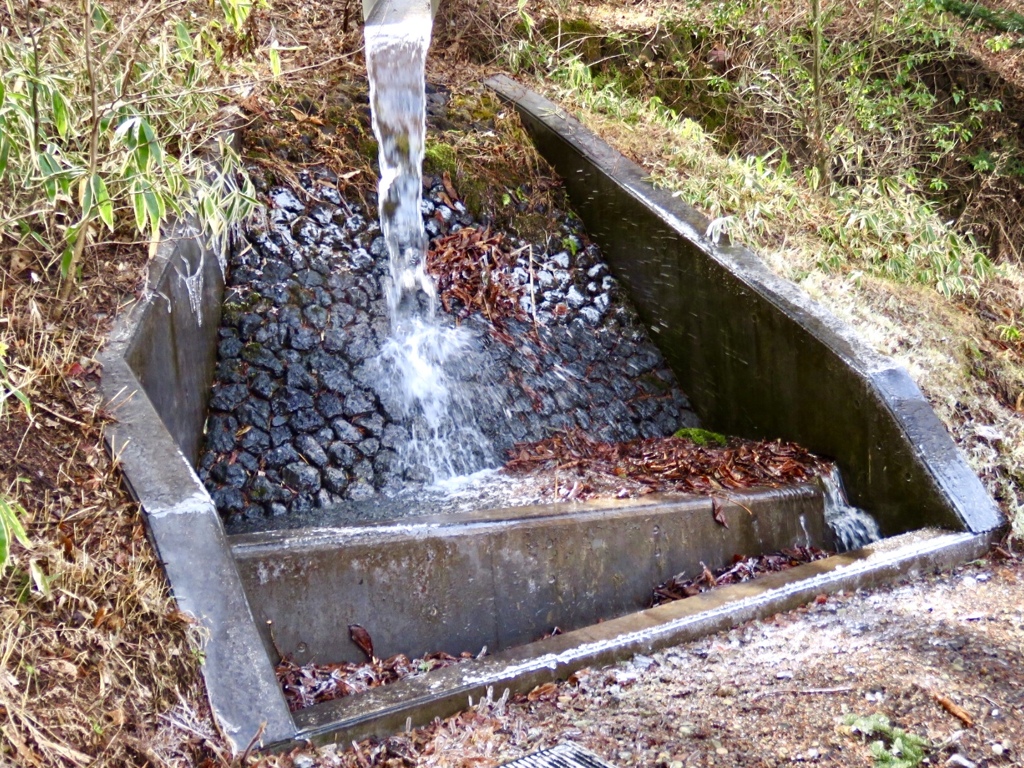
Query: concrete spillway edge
{"x": 755, "y": 354}
{"x": 417, "y": 701}
{"x": 157, "y": 369}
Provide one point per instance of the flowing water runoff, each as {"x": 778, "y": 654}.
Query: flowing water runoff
{"x": 422, "y": 357}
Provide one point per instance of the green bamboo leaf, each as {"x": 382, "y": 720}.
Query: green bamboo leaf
{"x": 48, "y": 164}
{"x": 40, "y": 579}
{"x": 10, "y": 526}
{"x": 149, "y": 146}
{"x": 10, "y": 511}
{"x": 5, "y": 153}
{"x": 86, "y": 197}
{"x": 103, "y": 202}
{"x": 60, "y": 112}
{"x": 65, "y": 260}
{"x": 185, "y": 45}
{"x": 142, "y": 157}
{"x": 50, "y": 188}
{"x": 139, "y": 206}
{"x": 155, "y": 208}
{"x": 100, "y": 19}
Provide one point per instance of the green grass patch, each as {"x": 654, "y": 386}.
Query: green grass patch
{"x": 701, "y": 437}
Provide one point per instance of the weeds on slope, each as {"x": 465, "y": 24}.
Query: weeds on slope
{"x": 107, "y": 122}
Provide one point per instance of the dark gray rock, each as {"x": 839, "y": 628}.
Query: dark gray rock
{"x": 336, "y": 480}
{"x": 262, "y": 358}
{"x": 358, "y": 403}
{"x": 305, "y": 231}
{"x": 278, "y": 457}
{"x": 229, "y": 348}
{"x": 280, "y": 435}
{"x": 291, "y": 399}
{"x": 574, "y": 298}
{"x": 342, "y": 454}
{"x": 323, "y": 214}
{"x": 372, "y": 423}
{"x": 369, "y": 447}
{"x": 316, "y": 316}
{"x": 228, "y": 500}
{"x": 228, "y": 398}
{"x": 360, "y": 490}
{"x": 394, "y": 436}
{"x": 330, "y": 405}
{"x": 255, "y": 440}
{"x": 311, "y": 450}
{"x": 337, "y": 381}
{"x": 262, "y": 385}
{"x": 301, "y": 477}
{"x": 363, "y": 470}
{"x": 220, "y": 433}
{"x": 310, "y": 279}
{"x": 284, "y": 199}
{"x": 303, "y": 339}
{"x": 306, "y": 420}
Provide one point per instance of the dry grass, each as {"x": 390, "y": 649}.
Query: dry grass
{"x": 97, "y": 667}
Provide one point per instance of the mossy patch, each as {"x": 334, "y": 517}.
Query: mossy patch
{"x": 490, "y": 162}
{"x": 701, "y": 437}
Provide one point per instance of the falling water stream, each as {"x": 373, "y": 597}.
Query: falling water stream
{"x": 422, "y": 356}
{"x": 853, "y": 527}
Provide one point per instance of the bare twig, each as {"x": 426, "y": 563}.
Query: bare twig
{"x": 252, "y": 742}
{"x": 58, "y": 415}
{"x": 801, "y": 692}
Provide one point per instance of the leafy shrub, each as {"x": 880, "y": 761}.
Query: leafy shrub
{"x": 108, "y": 123}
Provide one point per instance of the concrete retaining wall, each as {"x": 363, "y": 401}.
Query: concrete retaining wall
{"x": 500, "y": 579}
{"x": 755, "y": 355}
{"x": 157, "y": 373}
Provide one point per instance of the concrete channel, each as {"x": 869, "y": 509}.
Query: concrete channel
{"x": 757, "y": 357}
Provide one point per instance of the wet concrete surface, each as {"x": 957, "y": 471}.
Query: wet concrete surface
{"x": 501, "y": 578}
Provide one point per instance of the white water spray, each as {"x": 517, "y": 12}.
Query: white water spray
{"x": 853, "y": 527}
{"x": 418, "y": 357}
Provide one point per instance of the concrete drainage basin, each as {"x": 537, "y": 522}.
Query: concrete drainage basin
{"x": 756, "y": 358}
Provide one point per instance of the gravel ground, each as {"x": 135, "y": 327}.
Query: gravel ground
{"x": 940, "y": 657}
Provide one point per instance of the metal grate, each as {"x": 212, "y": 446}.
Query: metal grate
{"x": 562, "y": 756}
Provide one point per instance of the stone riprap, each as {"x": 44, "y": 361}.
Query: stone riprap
{"x": 302, "y": 418}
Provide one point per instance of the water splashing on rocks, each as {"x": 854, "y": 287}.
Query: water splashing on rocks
{"x": 421, "y": 355}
